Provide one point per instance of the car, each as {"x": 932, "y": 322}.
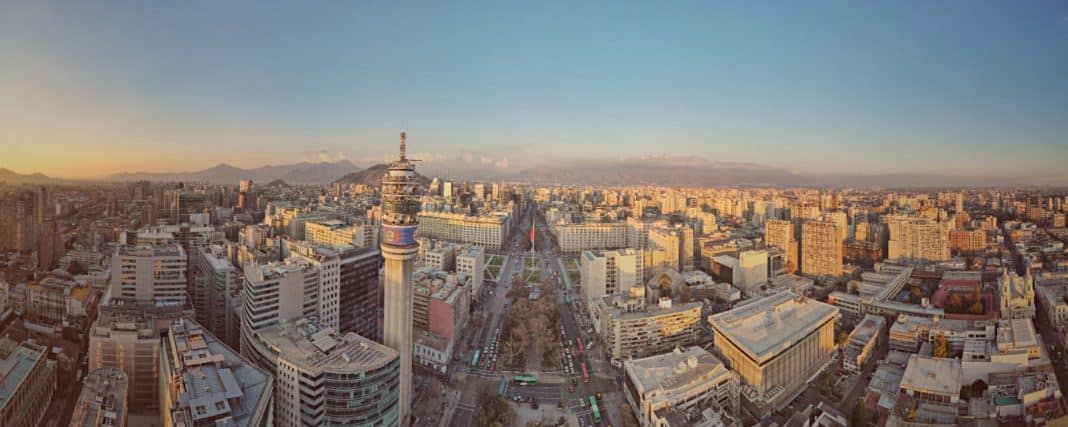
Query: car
{"x": 570, "y": 388}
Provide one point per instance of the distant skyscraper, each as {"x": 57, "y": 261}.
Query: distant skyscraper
{"x": 400, "y": 205}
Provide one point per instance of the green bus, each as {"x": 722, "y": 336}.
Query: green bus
{"x": 525, "y": 380}
{"x": 593, "y": 408}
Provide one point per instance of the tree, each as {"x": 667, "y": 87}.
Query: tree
{"x": 843, "y": 338}
{"x": 941, "y": 347}
{"x": 494, "y": 410}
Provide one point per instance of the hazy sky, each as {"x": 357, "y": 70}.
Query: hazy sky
{"x": 89, "y": 88}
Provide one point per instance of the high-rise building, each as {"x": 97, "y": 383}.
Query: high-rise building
{"x": 204, "y": 382}
{"x": 215, "y": 292}
{"x": 126, "y": 335}
{"x": 918, "y": 238}
{"x": 821, "y": 249}
{"x": 348, "y": 290}
{"x": 779, "y": 233}
{"x": 669, "y": 247}
{"x": 149, "y": 273}
{"x": 629, "y": 328}
{"x": 470, "y": 261}
{"x": 27, "y": 383}
{"x": 323, "y": 378}
{"x": 102, "y": 402}
{"x": 609, "y": 272}
{"x": 400, "y": 208}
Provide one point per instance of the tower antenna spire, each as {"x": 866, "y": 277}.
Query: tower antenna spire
{"x": 403, "y": 145}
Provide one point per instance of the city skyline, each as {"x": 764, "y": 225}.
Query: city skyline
{"x": 955, "y": 89}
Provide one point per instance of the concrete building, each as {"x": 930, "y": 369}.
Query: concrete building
{"x": 102, "y": 402}
{"x": 776, "y": 345}
{"x": 574, "y": 238}
{"x": 441, "y": 257}
{"x": 400, "y": 209}
{"x": 1017, "y": 295}
{"x": 670, "y": 247}
{"x": 471, "y": 261}
{"x": 150, "y": 273}
{"x": 779, "y": 234}
{"x": 489, "y": 230}
{"x": 216, "y": 283}
{"x": 205, "y": 382}
{"x": 609, "y": 272}
{"x": 862, "y": 343}
{"x": 917, "y": 239}
{"x": 662, "y": 387}
{"x": 27, "y": 383}
{"x": 349, "y": 298}
{"x": 126, "y": 335}
{"x": 821, "y": 249}
{"x": 630, "y": 328}
{"x": 1054, "y": 300}
{"x": 932, "y": 379}
{"x": 322, "y": 378}
{"x": 337, "y": 233}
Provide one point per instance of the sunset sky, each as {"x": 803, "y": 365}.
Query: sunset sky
{"x": 92, "y": 88}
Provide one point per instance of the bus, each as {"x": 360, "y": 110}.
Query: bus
{"x": 593, "y": 409}
{"x": 578, "y": 345}
{"x": 585, "y": 373}
{"x": 525, "y": 380}
{"x": 474, "y": 360}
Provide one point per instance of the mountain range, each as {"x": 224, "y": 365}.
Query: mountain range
{"x": 373, "y": 176}
{"x": 297, "y": 173}
{"x": 11, "y": 177}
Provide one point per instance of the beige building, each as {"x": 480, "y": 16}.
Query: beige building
{"x": 486, "y": 230}
{"x": 917, "y": 238}
{"x": 589, "y": 236}
{"x": 27, "y": 383}
{"x": 337, "y": 233}
{"x": 776, "y": 344}
{"x": 471, "y": 261}
{"x": 821, "y": 248}
{"x": 126, "y": 335}
{"x": 779, "y": 233}
{"x": 630, "y": 328}
{"x": 670, "y": 247}
{"x": 662, "y": 387}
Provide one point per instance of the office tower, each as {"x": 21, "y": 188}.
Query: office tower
{"x": 779, "y": 233}
{"x": 776, "y": 344}
{"x": 821, "y": 249}
{"x": 203, "y": 382}
{"x": 960, "y": 204}
{"x": 349, "y": 299}
{"x": 752, "y": 269}
{"x": 186, "y": 203}
{"x": 274, "y": 293}
{"x": 27, "y": 383}
{"x": 323, "y": 378}
{"x": 918, "y": 238}
{"x": 400, "y": 207}
{"x": 126, "y": 335}
{"x": 149, "y": 274}
{"x": 841, "y": 220}
{"x": 216, "y": 287}
{"x": 610, "y": 272}
{"x": 630, "y": 328}
{"x": 102, "y": 402}
{"x": 670, "y": 247}
{"x": 470, "y": 261}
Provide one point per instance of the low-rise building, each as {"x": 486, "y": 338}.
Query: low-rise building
{"x": 102, "y": 401}
{"x": 862, "y": 343}
{"x": 683, "y": 381}
{"x": 932, "y": 379}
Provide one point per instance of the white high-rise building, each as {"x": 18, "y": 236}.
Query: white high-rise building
{"x": 609, "y": 272}
{"x": 215, "y": 292}
{"x": 149, "y": 273}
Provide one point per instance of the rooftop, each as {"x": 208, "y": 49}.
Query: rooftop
{"x": 214, "y": 380}
{"x": 321, "y": 349}
{"x": 932, "y": 375}
{"x": 150, "y": 250}
{"x": 103, "y": 398}
{"x": 674, "y": 370}
{"x": 766, "y": 327}
{"x": 16, "y": 362}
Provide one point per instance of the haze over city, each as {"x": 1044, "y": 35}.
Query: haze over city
{"x": 539, "y": 214}
{"x": 947, "y": 88}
